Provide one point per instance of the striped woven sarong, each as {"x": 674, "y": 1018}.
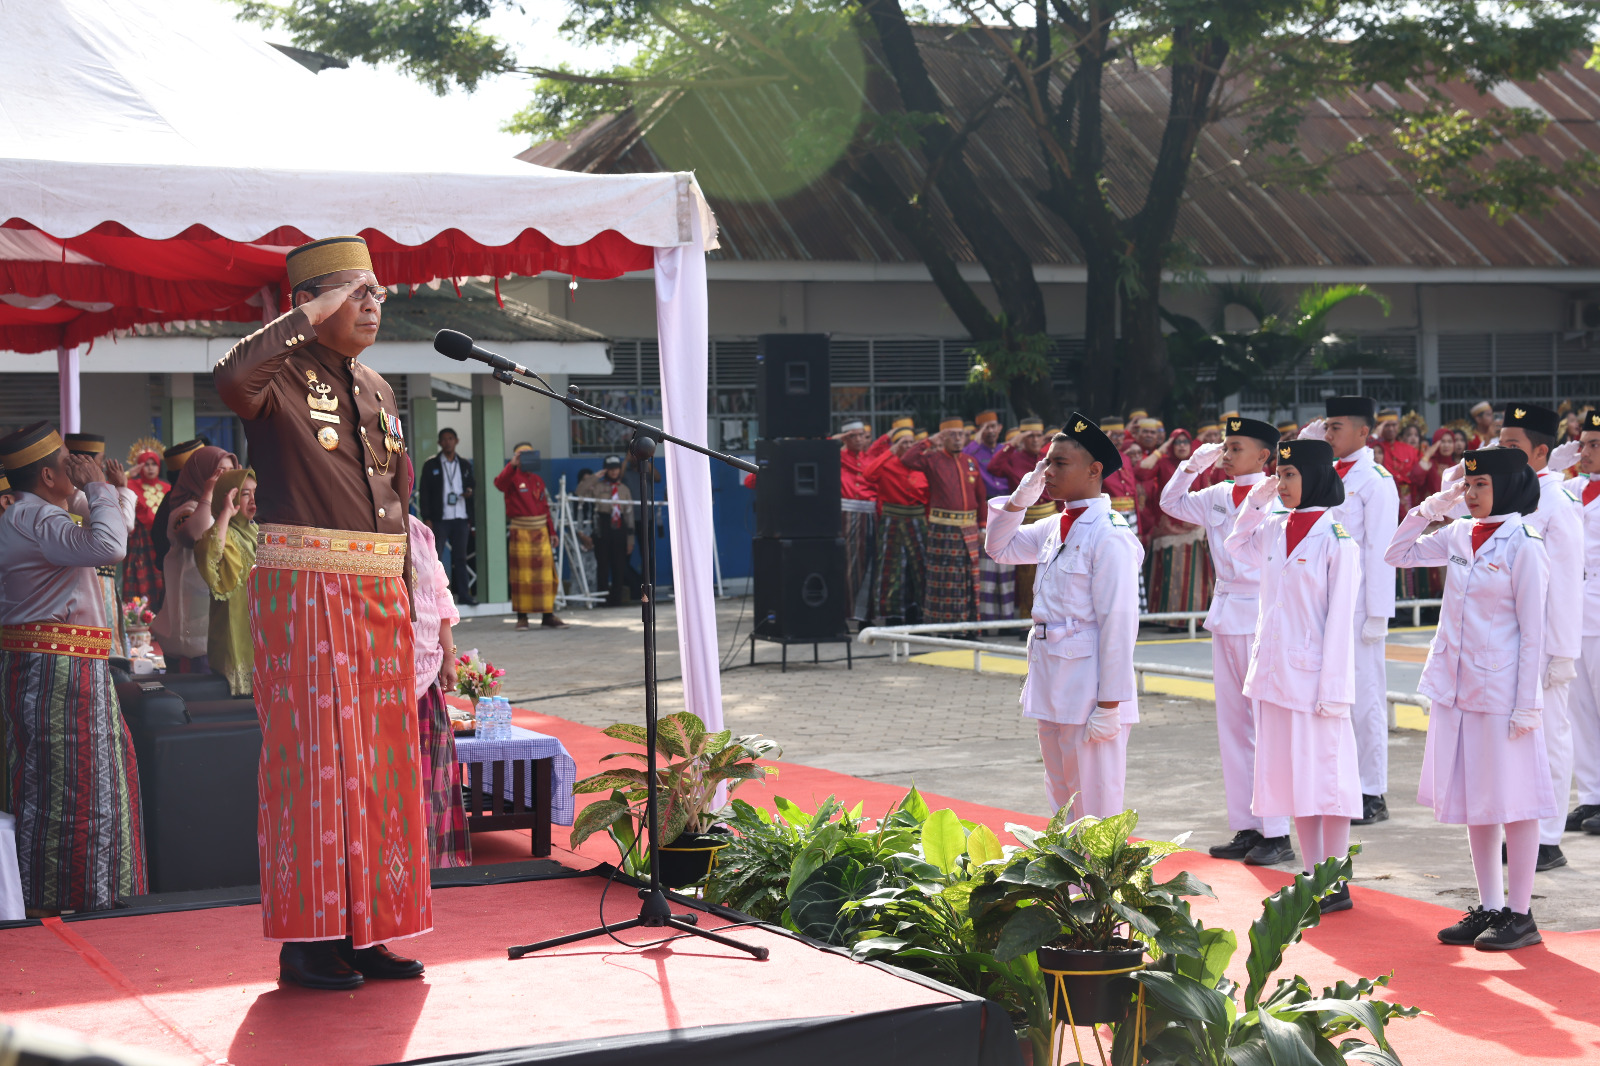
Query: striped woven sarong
{"x": 997, "y": 589}
{"x": 858, "y": 529}
{"x": 1181, "y": 573}
{"x": 952, "y": 582}
{"x": 342, "y": 826}
{"x": 449, "y": 843}
{"x": 898, "y": 583}
{"x": 72, "y": 782}
{"x": 532, "y": 567}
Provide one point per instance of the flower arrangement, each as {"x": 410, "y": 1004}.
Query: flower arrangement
{"x": 475, "y": 677}
{"x": 136, "y": 612}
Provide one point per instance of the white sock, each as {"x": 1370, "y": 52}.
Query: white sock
{"x": 1485, "y": 843}
{"x": 1522, "y": 855}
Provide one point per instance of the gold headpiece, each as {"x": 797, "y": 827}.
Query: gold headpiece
{"x": 325, "y": 256}
{"x": 145, "y": 446}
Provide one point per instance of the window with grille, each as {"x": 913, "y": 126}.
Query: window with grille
{"x": 1394, "y": 381}
{"x": 1543, "y": 368}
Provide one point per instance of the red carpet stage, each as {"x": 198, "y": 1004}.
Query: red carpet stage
{"x": 197, "y": 984}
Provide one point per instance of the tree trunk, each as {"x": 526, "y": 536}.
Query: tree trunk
{"x": 1147, "y": 372}
{"x": 1097, "y": 383}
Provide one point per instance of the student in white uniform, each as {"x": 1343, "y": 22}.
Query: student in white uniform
{"x": 1370, "y": 512}
{"x": 1585, "y": 703}
{"x": 1302, "y": 666}
{"x": 1484, "y": 764}
{"x": 1532, "y": 430}
{"x": 1080, "y": 685}
{"x": 1243, "y": 456}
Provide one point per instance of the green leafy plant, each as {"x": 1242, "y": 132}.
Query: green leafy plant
{"x": 1192, "y": 1018}
{"x": 694, "y": 763}
{"x": 1088, "y": 887}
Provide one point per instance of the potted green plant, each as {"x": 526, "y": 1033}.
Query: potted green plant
{"x": 693, "y": 765}
{"x": 1083, "y": 899}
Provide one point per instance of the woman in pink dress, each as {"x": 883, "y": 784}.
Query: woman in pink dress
{"x": 1485, "y": 764}
{"x": 1302, "y": 665}
{"x": 433, "y": 614}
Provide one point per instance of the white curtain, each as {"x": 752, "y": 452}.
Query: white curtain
{"x": 682, "y": 332}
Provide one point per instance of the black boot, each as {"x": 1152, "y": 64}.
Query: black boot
{"x": 1238, "y": 847}
{"x": 1549, "y": 858}
{"x": 317, "y": 964}
{"x": 1583, "y": 813}
{"x": 1373, "y": 809}
{"x": 378, "y": 962}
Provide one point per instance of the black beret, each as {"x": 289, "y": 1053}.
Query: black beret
{"x": 1265, "y": 432}
{"x": 1533, "y": 418}
{"x": 1489, "y": 462}
{"x": 1081, "y": 428}
{"x": 1591, "y": 422}
{"x": 1305, "y": 452}
{"x": 1353, "y": 407}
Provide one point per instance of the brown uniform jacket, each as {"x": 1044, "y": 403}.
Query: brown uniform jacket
{"x": 357, "y": 484}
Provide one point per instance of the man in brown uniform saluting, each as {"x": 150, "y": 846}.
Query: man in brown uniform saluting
{"x": 344, "y": 858}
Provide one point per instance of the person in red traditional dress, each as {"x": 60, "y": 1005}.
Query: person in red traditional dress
{"x": 954, "y": 538}
{"x": 141, "y": 572}
{"x": 903, "y": 501}
{"x": 1010, "y": 464}
{"x": 1181, "y": 571}
{"x": 1394, "y": 454}
{"x": 342, "y": 824}
{"x": 531, "y": 531}
{"x": 858, "y": 517}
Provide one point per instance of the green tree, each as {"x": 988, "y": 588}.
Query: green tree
{"x": 805, "y": 86}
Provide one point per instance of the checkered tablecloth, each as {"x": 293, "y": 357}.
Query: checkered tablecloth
{"x": 526, "y": 744}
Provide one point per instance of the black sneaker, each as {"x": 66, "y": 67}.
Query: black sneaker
{"x": 1584, "y": 812}
{"x": 1336, "y": 901}
{"x": 1271, "y": 851}
{"x": 1549, "y": 857}
{"x": 1509, "y": 931}
{"x": 1373, "y": 809}
{"x": 1237, "y": 848}
{"x": 1591, "y": 824}
{"x": 1465, "y": 931}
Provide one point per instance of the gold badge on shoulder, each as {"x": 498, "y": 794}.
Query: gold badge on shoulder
{"x": 328, "y": 437}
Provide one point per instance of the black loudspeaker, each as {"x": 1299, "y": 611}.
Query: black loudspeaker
{"x": 800, "y": 588}
{"x": 793, "y": 396}
{"x": 797, "y": 490}
{"x": 198, "y": 786}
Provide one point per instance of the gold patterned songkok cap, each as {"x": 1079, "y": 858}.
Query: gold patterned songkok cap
{"x": 29, "y": 445}
{"x": 325, "y": 256}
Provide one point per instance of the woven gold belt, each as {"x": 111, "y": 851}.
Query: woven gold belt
{"x": 526, "y": 521}
{"x": 331, "y": 551}
{"x": 1124, "y": 504}
{"x": 1038, "y": 511}
{"x": 903, "y": 510}
{"x": 940, "y": 517}
{"x": 57, "y": 638}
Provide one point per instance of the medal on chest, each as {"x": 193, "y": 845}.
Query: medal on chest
{"x": 323, "y": 404}
{"x": 394, "y": 439}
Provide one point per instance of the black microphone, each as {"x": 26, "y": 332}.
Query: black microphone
{"x": 460, "y": 347}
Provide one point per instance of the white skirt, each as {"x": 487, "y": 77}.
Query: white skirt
{"x": 1473, "y": 773}
{"x": 1305, "y": 765}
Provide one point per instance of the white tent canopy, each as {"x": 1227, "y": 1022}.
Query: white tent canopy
{"x": 155, "y": 164}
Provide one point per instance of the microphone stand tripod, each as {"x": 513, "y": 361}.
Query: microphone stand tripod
{"x": 654, "y": 912}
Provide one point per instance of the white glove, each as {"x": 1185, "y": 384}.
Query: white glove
{"x": 1455, "y": 473}
{"x": 1261, "y": 494}
{"x": 1030, "y": 488}
{"x": 1374, "y": 630}
{"x": 1104, "y": 724}
{"x": 1564, "y": 455}
{"x": 1332, "y": 710}
{"x": 1203, "y": 457}
{"x": 1525, "y": 720}
{"x": 1559, "y": 671}
{"x": 1437, "y": 508}
{"x": 1316, "y": 429}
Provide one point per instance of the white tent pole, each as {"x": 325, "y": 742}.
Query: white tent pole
{"x": 67, "y": 368}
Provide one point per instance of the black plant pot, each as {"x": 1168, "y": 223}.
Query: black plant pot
{"x": 1095, "y": 995}
{"x": 687, "y": 860}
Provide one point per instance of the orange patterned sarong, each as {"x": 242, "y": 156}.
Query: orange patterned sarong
{"x": 342, "y": 826}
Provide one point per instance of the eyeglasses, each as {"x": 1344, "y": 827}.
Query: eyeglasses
{"x": 377, "y": 292}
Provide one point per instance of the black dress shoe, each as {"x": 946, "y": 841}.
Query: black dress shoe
{"x": 1591, "y": 824}
{"x": 317, "y": 964}
{"x": 378, "y": 962}
{"x": 1271, "y": 851}
{"x": 1237, "y": 848}
{"x": 1584, "y": 812}
{"x": 1549, "y": 858}
{"x": 1336, "y": 901}
{"x": 1373, "y": 809}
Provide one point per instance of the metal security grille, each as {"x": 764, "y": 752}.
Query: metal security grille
{"x": 1399, "y": 384}
{"x": 27, "y": 398}
{"x": 632, "y": 388}
{"x": 1543, "y": 368}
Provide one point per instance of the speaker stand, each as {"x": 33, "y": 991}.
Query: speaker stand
{"x": 784, "y": 642}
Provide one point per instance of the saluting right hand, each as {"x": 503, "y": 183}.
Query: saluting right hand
{"x": 84, "y": 470}
{"x": 1454, "y": 473}
{"x": 1437, "y": 508}
{"x": 322, "y": 306}
{"x": 1029, "y": 489}
{"x": 1262, "y": 493}
{"x": 1316, "y": 429}
{"x": 1203, "y": 457}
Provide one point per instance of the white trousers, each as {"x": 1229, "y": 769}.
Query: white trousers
{"x": 1236, "y": 734}
{"x": 1370, "y": 714}
{"x": 1558, "y": 749}
{"x": 1094, "y": 772}
{"x": 1584, "y": 712}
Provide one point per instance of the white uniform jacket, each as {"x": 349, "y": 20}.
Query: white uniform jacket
{"x": 1304, "y": 651}
{"x": 1488, "y": 652}
{"x": 1086, "y": 599}
{"x": 1559, "y": 521}
{"x": 1591, "y": 557}
{"x": 1236, "y": 597}
{"x": 1369, "y": 513}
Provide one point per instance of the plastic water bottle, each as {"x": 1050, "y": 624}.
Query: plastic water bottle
{"x": 486, "y": 716}
{"x": 503, "y": 717}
